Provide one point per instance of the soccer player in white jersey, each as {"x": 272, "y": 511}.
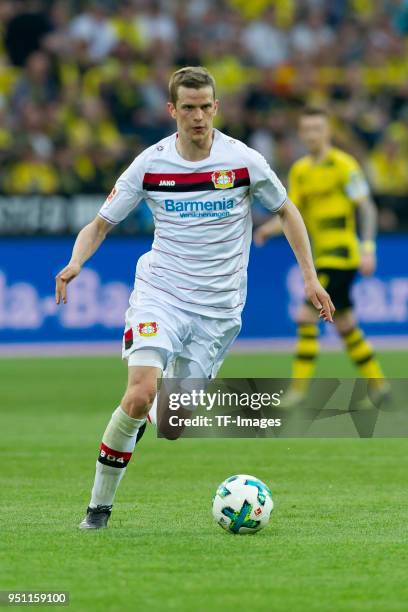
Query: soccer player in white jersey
{"x": 190, "y": 288}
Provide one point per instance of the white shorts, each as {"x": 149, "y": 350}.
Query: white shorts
{"x": 185, "y": 344}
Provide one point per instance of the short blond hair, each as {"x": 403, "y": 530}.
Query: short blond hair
{"x": 194, "y": 77}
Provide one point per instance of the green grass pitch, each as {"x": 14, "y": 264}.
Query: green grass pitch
{"x": 337, "y": 539}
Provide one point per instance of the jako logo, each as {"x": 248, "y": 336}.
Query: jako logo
{"x": 167, "y": 183}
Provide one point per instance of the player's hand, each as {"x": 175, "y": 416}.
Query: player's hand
{"x": 320, "y": 299}
{"x": 367, "y": 264}
{"x": 62, "y": 279}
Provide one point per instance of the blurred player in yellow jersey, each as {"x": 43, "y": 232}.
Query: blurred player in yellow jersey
{"x": 327, "y": 185}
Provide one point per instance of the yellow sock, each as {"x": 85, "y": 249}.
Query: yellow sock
{"x": 362, "y": 354}
{"x": 307, "y": 349}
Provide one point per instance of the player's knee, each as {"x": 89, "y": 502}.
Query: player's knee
{"x": 138, "y": 399}
{"x": 306, "y": 315}
{"x": 344, "y": 321}
{"x": 306, "y": 319}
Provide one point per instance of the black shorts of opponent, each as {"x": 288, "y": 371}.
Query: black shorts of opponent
{"x": 338, "y": 284}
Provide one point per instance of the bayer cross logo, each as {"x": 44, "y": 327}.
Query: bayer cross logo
{"x": 223, "y": 179}
{"x": 148, "y": 328}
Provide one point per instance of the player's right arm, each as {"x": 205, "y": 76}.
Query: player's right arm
{"x": 125, "y": 196}
{"x": 88, "y": 241}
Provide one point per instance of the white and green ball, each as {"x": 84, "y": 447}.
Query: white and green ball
{"x": 242, "y": 504}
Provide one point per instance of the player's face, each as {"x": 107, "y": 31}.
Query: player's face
{"x": 194, "y": 112}
{"x": 314, "y": 132}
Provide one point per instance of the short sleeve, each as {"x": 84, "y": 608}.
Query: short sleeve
{"x": 265, "y": 185}
{"x": 294, "y": 187}
{"x": 127, "y": 192}
{"x": 355, "y": 183}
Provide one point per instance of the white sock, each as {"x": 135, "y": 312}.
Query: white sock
{"x": 153, "y": 412}
{"x": 115, "y": 452}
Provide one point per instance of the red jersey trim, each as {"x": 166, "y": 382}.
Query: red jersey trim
{"x": 219, "y": 180}
{"x": 187, "y": 177}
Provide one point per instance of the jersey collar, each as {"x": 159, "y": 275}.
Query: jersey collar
{"x": 200, "y": 162}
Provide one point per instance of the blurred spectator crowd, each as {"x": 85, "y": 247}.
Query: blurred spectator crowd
{"x": 83, "y": 85}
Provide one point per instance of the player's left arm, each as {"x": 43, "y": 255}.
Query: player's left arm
{"x": 273, "y": 226}
{"x": 266, "y": 186}
{"x": 367, "y": 214}
{"x": 295, "y": 231}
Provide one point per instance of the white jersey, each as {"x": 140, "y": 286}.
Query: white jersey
{"x": 203, "y": 225}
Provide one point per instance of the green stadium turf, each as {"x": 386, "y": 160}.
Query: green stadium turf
{"x": 337, "y": 540}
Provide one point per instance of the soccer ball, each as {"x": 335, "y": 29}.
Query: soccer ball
{"x": 242, "y": 504}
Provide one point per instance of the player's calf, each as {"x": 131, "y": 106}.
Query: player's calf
{"x": 115, "y": 452}
{"x": 304, "y": 363}
{"x": 140, "y": 392}
{"x": 360, "y": 350}
{"x": 137, "y": 402}
{"x": 118, "y": 442}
